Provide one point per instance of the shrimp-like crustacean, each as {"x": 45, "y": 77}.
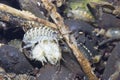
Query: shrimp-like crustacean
{"x": 43, "y": 44}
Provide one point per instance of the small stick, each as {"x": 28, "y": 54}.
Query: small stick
{"x": 69, "y": 39}
{"x": 18, "y": 21}
{"x": 25, "y": 15}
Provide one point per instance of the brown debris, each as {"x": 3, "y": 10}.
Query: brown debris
{"x": 13, "y": 76}
{"x": 68, "y": 70}
{"x": 34, "y": 6}
{"x": 12, "y": 60}
{"x": 25, "y": 15}
{"x": 112, "y": 68}
{"x": 18, "y": 21}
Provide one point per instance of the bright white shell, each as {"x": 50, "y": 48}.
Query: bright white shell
{"x": 43, "y": 42}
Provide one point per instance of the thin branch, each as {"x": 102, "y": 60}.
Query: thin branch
{"x": 69, "y": 39}
{"x": 25, "y": 15}
{"x": 18, "y": 21}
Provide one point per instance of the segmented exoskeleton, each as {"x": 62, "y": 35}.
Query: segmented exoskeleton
{"x": 43, "y": 44}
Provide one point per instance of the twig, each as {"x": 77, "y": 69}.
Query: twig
{"x": 25, "y": 15}
{"x": 18, "y": 21}
{"x": 72, "y": 44}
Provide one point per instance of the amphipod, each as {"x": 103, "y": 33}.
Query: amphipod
{"x": 43, "y": 44}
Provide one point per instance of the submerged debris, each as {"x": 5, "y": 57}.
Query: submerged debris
{"x": 16, "y": 43}
{"x": 112, "y": 68}
{"x": 94, "y": 24}
{"x": 13, "y": 76}
{"x": 12, "y": 60}
{"x": 68, "y": 69}
{"x": 78, "y": 9}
